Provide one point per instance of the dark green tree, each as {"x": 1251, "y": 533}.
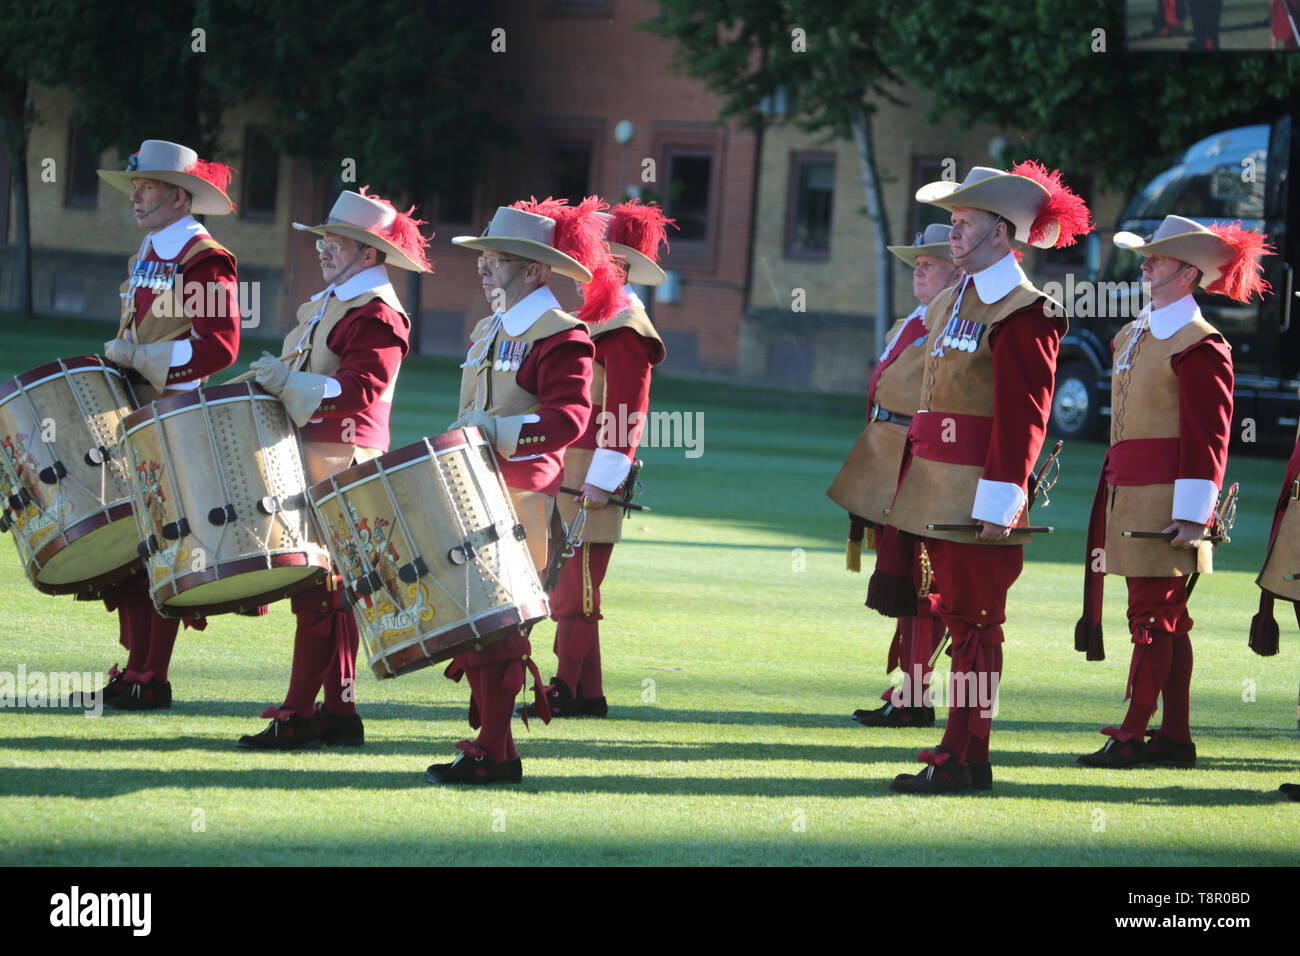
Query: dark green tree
{"x": 832, "y": 58}
{"x": 404, "y": 88}
{"x": 1062, "y": 73}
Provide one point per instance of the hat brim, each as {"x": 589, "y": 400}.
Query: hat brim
{"x": 529, "y": 249}
{"x": 1010, "y": 196}
{"x": 1204, "y": 250}
{"x": 937, "y": 250}
{"x": 641, "y": 269}
{"x": 393, "y": 255}
{"x": 208, "y": 200}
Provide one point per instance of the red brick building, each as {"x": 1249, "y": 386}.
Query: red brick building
{"x": 583, "y": 69}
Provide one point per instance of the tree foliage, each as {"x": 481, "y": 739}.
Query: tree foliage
{"x": 1057, "y": 73}
{"x": 400, "y": 86}
{"x": 830, "y": 56}
{"x": 1085, "y": 102}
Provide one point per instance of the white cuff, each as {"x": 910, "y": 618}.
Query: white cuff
{"x": 608, "y": 468}
{"x": 332, "y": 388}
{"x": 1194, "y": 499}
{"x": 997, "y": 501}
{"x": 182, "y": 352}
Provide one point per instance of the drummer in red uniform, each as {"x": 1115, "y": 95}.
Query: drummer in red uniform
{"x": 1170, "y": 423}
{"x": 902, "y": 586}
{"x": 986, "y": 392}
{"x": 176, "y": 330}
{"x": 598, "y": 463}
{"x": 339, "y": 392}
{"x": 526, "y": 384}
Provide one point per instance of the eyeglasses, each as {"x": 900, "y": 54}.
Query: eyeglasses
{"x": 495, "y": 260}
{"x": 332, "y": 247}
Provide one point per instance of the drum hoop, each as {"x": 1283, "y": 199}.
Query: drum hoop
{"x": 393, "y": 460}
{"x": 493, "y": 621}
{"x": 320, "y": 561}
{"x": 172, "y": 405}
{"x": 99, "y": 519}
{"x": 99, "y": 581}
{"x": 56, "y": 369}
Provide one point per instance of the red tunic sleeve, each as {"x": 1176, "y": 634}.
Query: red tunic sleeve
{"x": 213, "y": 314}
{"x": 1024, "y": 348}
{"x": 371, "y": 341}
{"x": 1204, "y": 409}
{"x": 628, "y": 357}
{"x": 557, "y": 369}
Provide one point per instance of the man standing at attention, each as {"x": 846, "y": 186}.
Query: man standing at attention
{"x": 986, "y": 393}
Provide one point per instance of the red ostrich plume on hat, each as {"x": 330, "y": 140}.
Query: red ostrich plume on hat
{"x": 1243, "y": 276}
{"x": 1064, "y": 206}
{"x": 642, "y": 227}
{"x": 404, "y": 233}
{"x": 580, "y": 235}
{"x": 218, "y": 174}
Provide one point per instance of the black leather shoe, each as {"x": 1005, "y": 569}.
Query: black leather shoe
{"x": 952, "y": 777}
{"x": 1118, "y": 754}
{"x": 153, "y": 695}
{"x": 981, "y": 776}
{"x": 1170, "y": 753}
{"x": 117, "y": 686}
{"x": 887, "y": 715}
{"x": 295, "y": 733}
{"x": 564, "y": 704}
{"x": 339, "y": 730}
{"x": 475, "y": 771}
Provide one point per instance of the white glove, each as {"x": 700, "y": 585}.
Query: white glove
{"x": 482, "y": 421}
{"x": 120, "y": 352}
{"x": 302, "y": 394}
{"x": 272, "y": 374}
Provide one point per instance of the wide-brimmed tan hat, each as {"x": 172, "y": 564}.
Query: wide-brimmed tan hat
{"x": 1045, "y": 211}
{"x": 1227, "y": 256}
{"x": 636, "y": 231}
{"x": 527, "y": 235}
{"x": 1185, "y": 240}
{"x": 176, "y": 165}
{"x": 932, "y": 242}
{"x": 374, "y": 221}
{"x": 1015, "y": 198}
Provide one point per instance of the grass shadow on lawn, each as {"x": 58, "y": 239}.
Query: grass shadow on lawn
{"x": 101, "y": 784}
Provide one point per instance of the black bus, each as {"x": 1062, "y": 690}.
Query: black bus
{"x": 1239, "y": 174}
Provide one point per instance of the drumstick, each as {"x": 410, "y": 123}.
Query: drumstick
{"x": 974, "y": 528}
{"x": 249, "y": 374}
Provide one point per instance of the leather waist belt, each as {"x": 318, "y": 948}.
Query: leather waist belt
{"x": 879, "y": 414}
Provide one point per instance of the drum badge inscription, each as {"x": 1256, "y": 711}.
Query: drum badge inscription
{"x": 386, "y": 623}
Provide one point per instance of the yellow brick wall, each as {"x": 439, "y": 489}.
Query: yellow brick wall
{"x": 109, "y": 227}
{"x": 846, "y": 282}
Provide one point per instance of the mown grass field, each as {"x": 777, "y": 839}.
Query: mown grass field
{"x": 735, "y": 647}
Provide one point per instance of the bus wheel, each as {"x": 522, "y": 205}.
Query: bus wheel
{"x": 1075, "y": 407}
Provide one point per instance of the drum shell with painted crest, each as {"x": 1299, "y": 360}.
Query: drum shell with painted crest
{"x": 66, "y": 488}
{"x": 196, "y": 453}
{"x": 427, "y": 501}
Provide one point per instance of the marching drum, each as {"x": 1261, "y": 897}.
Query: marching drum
{"x": 220, "y": 502}
{"x": 67, "y": 490}
{"x": 431, "y": 553}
